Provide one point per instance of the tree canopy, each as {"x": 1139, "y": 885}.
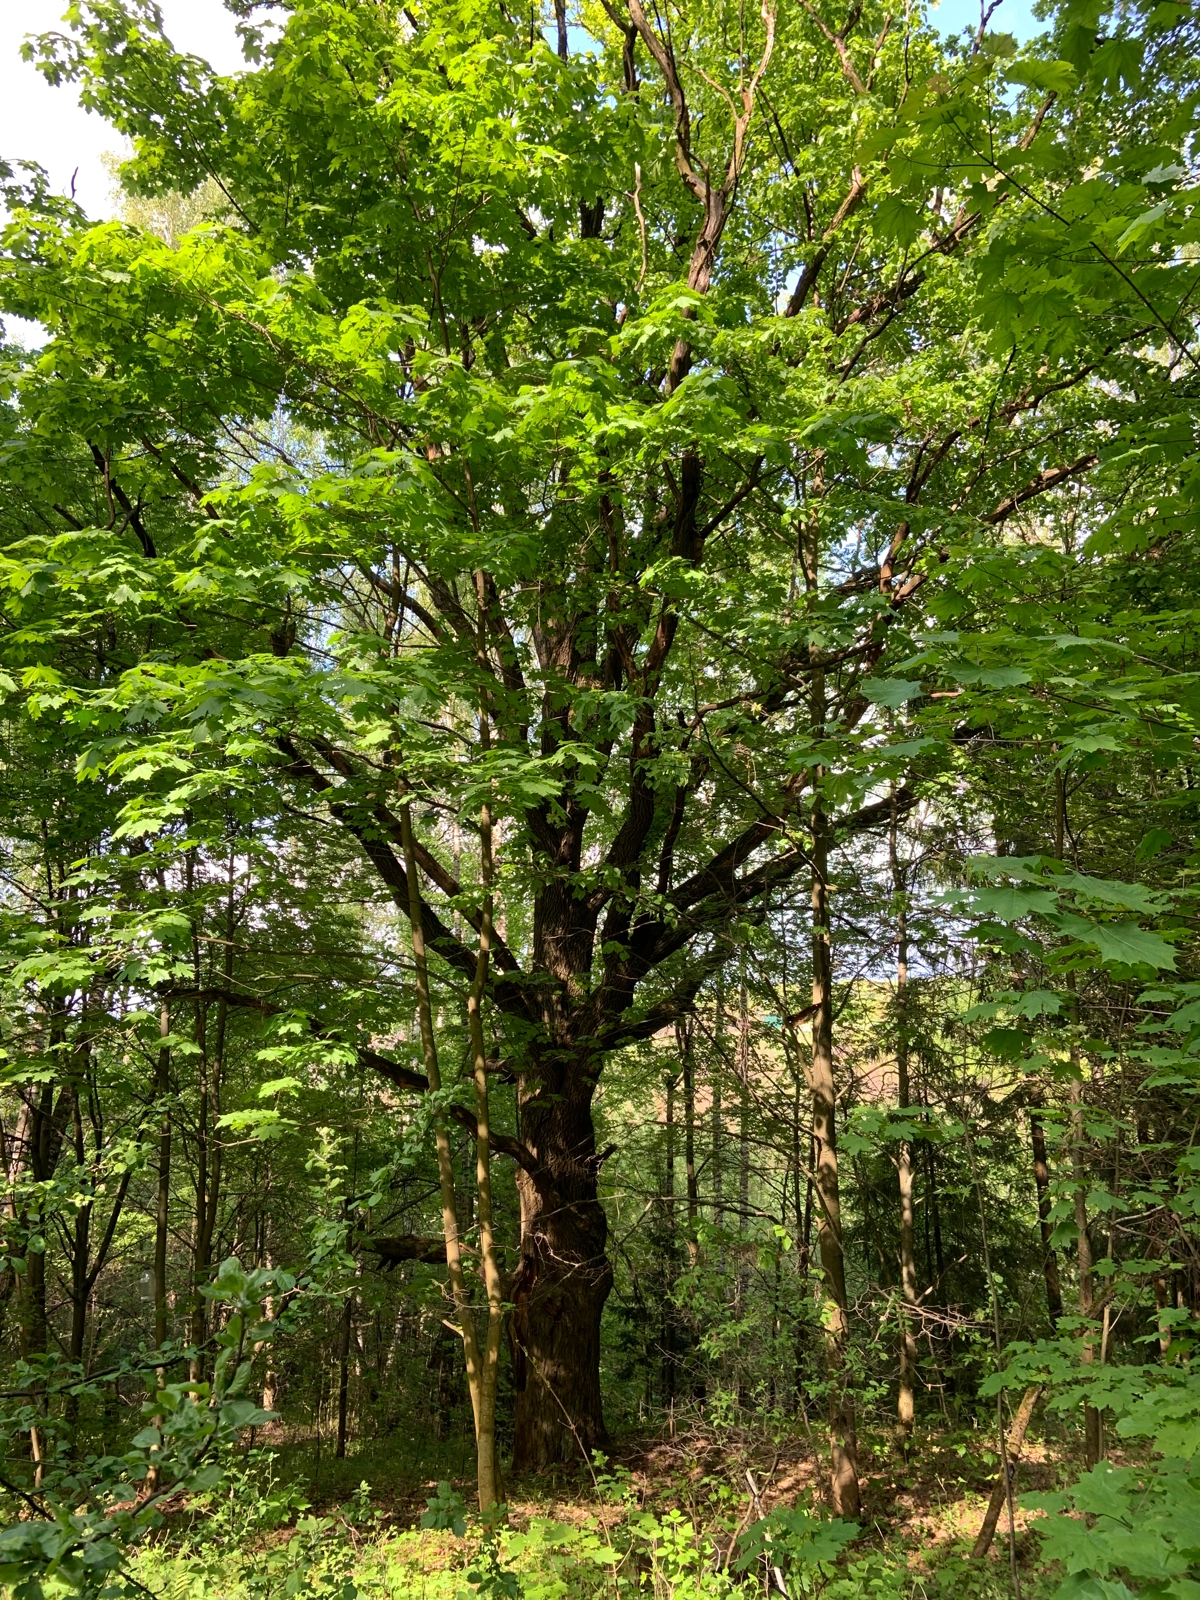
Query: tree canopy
{"x": 630, "y": 569}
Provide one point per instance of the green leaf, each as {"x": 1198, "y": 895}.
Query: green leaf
{"x": 1153, "y": 842}
{"x": 1144, "y": 223}
{"x": 1009, "y": 903}
{"x": 1057, "y": 77}
{"x": 1123, "y": 943}
{"x": 891, "y": 692}
{"x": 992, "y": 677}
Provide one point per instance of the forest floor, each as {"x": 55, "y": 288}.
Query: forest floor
{"x": 662, "y": 1516}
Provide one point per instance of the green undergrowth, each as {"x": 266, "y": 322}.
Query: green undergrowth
{"x": 1128, "y": 1529}
{"x": 261, "y": 1541}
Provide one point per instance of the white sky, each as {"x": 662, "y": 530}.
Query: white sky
{"x": 38, "y": 123}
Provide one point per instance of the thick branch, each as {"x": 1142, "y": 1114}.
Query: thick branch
{"x": 1044, "y": 480}
{"x": 386, "y": 864}
{"x": 408, "y": 1078}
{"x": 395, "y": 1248}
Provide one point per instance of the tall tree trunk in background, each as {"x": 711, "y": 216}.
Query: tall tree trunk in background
{"x": 162, "y": 1089}
{"x": 1093, "y": 1444}
{"x": 802, "y": 1164}
{"x": 843, "y": 1441}
{"x": 905, "y": 1408}
{"x": 669, "y": 1188}
{"x": 47, "y": 1127}
{"x": 743, "y": 1072}
{"x": 1087, "y": 1299}
{"x": 80, "y": 1285}
{"x": 842, "y": 1431}
{"x": 45, "y": 1142}
{"x": 742, "y": 1287}
{"x": 718, "y": 1123}
{"x": 345, "y": 1325}
{"x": 16, "y": 1161}
{"x": 1041, "y": 1178}
{"x": 196, "y": 1329}
{"x": 490, "y": 1492}
{"x": 196, "y": 1315}
{"x": 445, "y": 1359}
{"x": 684, "y": 1038}
{"x": 445, "y": 1156}
{"x": 209, "y": 1146}
{"x": 209, "y": 1156}
{"x": 936, "y": 1263}
{"x": 668, "y": 1313}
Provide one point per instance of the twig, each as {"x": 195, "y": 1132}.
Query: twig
{"x": 636, "y": 197}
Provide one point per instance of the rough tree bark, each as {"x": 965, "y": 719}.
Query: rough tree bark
{"x": 563, "y": 1280}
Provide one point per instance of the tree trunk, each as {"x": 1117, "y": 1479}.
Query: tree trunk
{"x": 684, "y": 1039}
{"x": 44, "y": 1147}
{"x": 564, "y": 1277}
{"x": 1041, "y": 1178}
{"x": 669, "y": 1187}
{"x": 842, "y": 1433}
{"x": 1004, "y": 1483}
{"x": 445, "y": 1156}
{"x": 344, "y": 1376}
{"x": 1093, "y": 1444}
{"x": 210, "y": 1151}
{"x": 208, "y": 1195}
{"x": 933, "y": 1214}
{"x": 905, "y": 1406}
{"x": 445, "y": 1357}
{"x": 490, "y": 1489}
{"x": 743, "y": 1071}
{"x": 162, "y": 1086}
{"x": 742, "y": 1282}
{"x": 1091, "y": 1417}
{"x": 668, "y": 1314}
{"x": 80, "y": 1284}
{"x": 718, "y": 1125}
{"x": 16, "y": 1158}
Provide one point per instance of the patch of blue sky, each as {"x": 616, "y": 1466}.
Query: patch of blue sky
{"x": 951, "y": 17}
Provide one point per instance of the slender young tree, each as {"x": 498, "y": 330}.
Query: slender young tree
{"x": 906, "y": 1405}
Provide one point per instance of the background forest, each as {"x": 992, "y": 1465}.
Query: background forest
{"x": 598, "y": 806}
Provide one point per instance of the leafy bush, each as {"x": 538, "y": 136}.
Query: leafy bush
{"x": 803, "y": 1546}
{"x": 90, "y": 1515}
{"x": 1131, "y": 1531}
